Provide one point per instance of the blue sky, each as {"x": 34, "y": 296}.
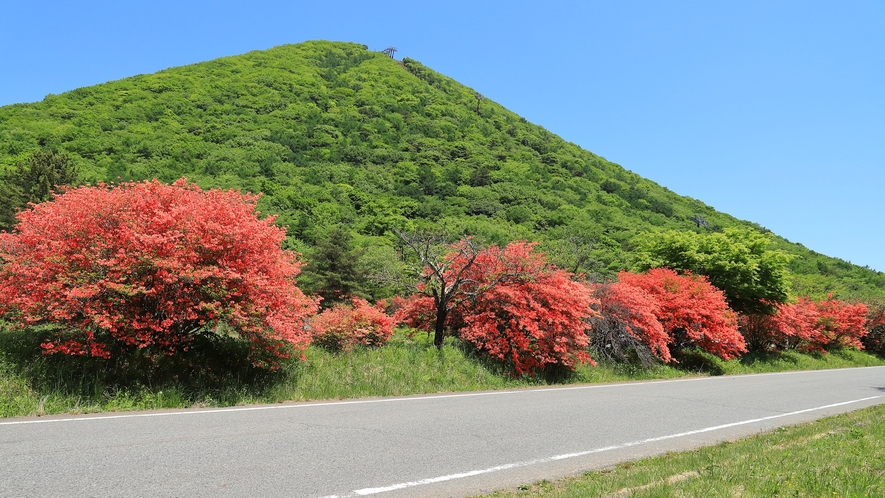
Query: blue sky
{"x": 771, "y": 111}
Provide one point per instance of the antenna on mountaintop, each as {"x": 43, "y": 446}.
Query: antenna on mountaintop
{"x": 389, "y": 51}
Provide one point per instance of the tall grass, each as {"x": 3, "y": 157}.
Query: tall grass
{"x": 216, "y": 373}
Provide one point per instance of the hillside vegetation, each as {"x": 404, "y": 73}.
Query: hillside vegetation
{"x": 347, "y": 144}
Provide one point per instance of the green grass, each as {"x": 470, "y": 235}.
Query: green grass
{"x": 840, "y": 456}
{"x": 217, "y": 374}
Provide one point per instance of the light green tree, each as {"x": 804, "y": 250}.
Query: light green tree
{"x": 738, "y": 261}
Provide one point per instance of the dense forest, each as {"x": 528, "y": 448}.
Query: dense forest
{"x": 347, "y": 145}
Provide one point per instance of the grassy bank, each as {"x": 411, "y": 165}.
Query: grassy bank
{"x": 837, "y": 456}
{"x": 218, "y": 375}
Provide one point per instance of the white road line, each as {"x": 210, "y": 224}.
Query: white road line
{"x": 432, "y": 480}
{"x": 309, "y": 404}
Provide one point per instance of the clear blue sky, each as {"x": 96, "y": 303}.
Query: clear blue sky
{"x": 771, "y": 111}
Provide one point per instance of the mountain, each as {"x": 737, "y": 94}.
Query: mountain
{"x": 340, "y": 139}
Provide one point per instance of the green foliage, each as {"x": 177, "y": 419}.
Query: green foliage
{"x": 336, "y": 135}
{"x": 737, "y": 261}
{"x": 333, "y": 271}
{"x": 33, "y": 181}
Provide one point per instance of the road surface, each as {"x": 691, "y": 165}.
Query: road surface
{"x": 435, "y": 445}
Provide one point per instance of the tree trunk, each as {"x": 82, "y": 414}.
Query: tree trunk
{"x": 440, "y": 326}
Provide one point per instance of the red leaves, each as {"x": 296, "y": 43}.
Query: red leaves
{"x": 343, "y": 327}
{"x": 627, "y": 321}
{"x": 150, "y": 264}
{"x": 527, "y": 313}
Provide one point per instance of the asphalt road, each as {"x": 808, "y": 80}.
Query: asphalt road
{"x": 439, "y": 445}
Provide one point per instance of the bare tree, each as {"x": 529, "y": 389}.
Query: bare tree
{"x": 441, "y": 267}
{"x": 479, "y": 99}
{"x": 699, "y": 221}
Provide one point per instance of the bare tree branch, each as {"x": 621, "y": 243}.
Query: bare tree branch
{"x": 436, "y": 256}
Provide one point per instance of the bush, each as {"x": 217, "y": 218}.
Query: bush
{"x": 513, "y": 306}
{"x": 529, "y": 315}
{"x": 625, "y": 328}
{"x": 692, "y": 311}
{"x": 808, "y": 326}
{"x": 874, "y": 341}
{"x": 343, "y": 327}
{"x": 149, "y": 266}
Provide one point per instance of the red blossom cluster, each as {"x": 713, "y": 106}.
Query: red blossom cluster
{"x": 666, "y": 310}
{"x": 515, "y": 307}
{"x": 809, "y": 326}
{"x": 343, "y": 327}
{"x": 149, "y": 265}
{"x": 626, "y": 324}
{"x": 532, "y": 317}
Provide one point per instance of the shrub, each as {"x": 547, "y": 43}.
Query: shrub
{"x": 874, "y": 341}
{"x": 625, "y": 327}
{"x": 524, "y": 312}
{"x": 843, "y": 324}
{"x": 692, "y": 311}
{"x": 808, "y": 326}
{"x": 343, "y": 327}
{"x": 512, "y": 305}
{"x": 149, "y": 266}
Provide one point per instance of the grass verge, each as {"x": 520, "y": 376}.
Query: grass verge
{"x": 837, "y": 456}
{"x": 216, "y": 374}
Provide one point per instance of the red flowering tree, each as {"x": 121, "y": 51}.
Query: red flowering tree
{"x": 441, "y": 272}
{"x": 791, "y": 326}
{"x": 149, "y": 265}
{"x": 843, "y": 324}
{"x": 343, "y": 327}
{"x": 691, "y": 310}
{"x": 513, "y": 306}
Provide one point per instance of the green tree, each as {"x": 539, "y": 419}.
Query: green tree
{"x": 737, "y": 261}
{"x": 33, "y": 181}
{"x": 10, "y": 202}
{"x": 332, "y": 269}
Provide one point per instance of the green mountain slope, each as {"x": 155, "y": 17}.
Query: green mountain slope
{"x": 336, "y": 135}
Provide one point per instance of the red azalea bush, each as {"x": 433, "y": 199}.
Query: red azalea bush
{"x": 692, "y": 311}
{"x": 515, "y": 307}
{"x": 626, "y": 326}
{"x": 343, "y": 327}
{"x": 809, "y": 325}
{"x": 874, "y": 341}
{"x": 149, "y": 265}
{"x": 843, "y": 324}
{"x": 790, "y": 325}
{"x": 416, "y": 311}
{"x": 530, "y": 315}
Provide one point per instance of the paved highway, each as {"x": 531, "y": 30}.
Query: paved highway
{"x": 436, "y": 445}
